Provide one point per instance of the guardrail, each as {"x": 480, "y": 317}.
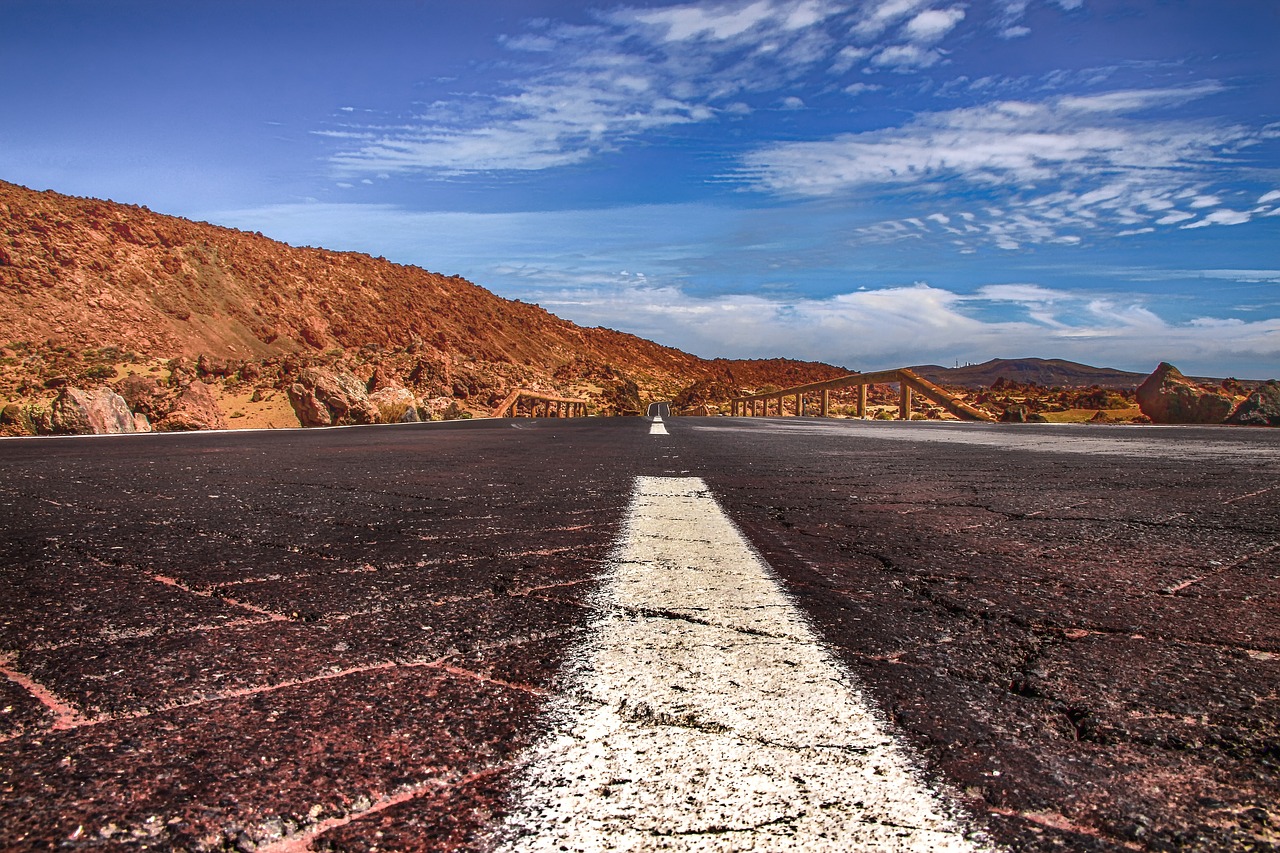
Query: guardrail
{"x": 537, "y": 404}
{"x": 909, "y": 383}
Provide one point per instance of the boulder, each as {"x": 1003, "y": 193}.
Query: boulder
{"x": 394, "y": 405}
{"x": 310, "y": 411}
{"x": 196, "y": 408}
{"x": 1168, "y": 397}
{"x": 18, "y": 417}
{"x": 342, "y": 396}
{"x": 1014, "y": 415}
{"x": 99, "y": 412}
{"x": 1260, "y": 408}
{"x": 145, "y": 395}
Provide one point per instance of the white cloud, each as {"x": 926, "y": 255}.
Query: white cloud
{"x": 879, "y": 15}
{"x": 681, "y": 23}
{"x": 791, "y": 102}
{"x": 891, "y": 326}
{"x": 1221, "y": 217}
{"x": 932, "y": 24}
{"x": 848, "y": 57}
{"x": 1009, "y": 15}
{"x": 1133, "y": 100}
{"x": 860, "y": 88}
{"x": 1067, "y": 166}
{"x": 1267, "y": 198}
{"x": 592, "y": 89}
{"x": 906, "y": 57}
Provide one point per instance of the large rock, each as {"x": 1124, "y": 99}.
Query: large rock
{"x": 98, "y": 412}
{"x": 1014, "y": 415}
{"x": 19, "y": 418}
{"x": 1260, "y": 408}
{"x": 395, "y": 405}
{"x": 145, "y": 395}
{"x": 196, "y": 408}
{"x": 321, "y": 397}
{"x": 310, "y": 411}
{"x": 1168, "y": 397}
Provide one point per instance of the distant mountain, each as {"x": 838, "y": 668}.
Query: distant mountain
{"x": 1051, "y": 372}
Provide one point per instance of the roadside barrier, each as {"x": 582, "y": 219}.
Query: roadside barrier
{"x": 535, "y": 404}
{"x": 909, "y": 383}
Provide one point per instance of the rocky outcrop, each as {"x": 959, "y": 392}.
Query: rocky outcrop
{"x": 18, "y": 418}
{"x": 146, "y": 396}
{"x": 1168, "y": 397}
{"x": 310, "y": 411}
{"x": 1014, "y": 415}
{"x": 195, "y": 408}
{"x": 324, "y": 397}
{"x": 1260, "y": 408}
{"x": 395, "y": 405}
{"x": 98, "y": 412}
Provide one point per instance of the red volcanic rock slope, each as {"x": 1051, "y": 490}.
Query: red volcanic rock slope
{"x": 80, "y": 275}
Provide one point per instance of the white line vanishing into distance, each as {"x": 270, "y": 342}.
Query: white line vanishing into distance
{"x": 703, "y": 714}
{"x": 657, "y": 427}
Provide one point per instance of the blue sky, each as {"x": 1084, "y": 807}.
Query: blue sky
{"x": 866, "y": 182}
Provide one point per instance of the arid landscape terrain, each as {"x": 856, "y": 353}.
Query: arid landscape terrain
{"x": 93, "y": 293}
{"x": 114, "y": 318}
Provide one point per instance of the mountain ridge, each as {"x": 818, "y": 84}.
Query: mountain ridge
{"x": 1048, "y": 372}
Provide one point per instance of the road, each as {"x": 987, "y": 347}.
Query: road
{"x": 400, "y": 638}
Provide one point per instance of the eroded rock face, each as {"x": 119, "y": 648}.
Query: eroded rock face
{"x": 323, "y": 397}
{"x": 99, "y": 412}
{"x": 195, "y": 408}
{"x": 1168, "y": 397}
{"x": 1260, "y": 408}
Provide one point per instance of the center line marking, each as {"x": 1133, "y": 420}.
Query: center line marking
{"x": 703, "y": 713}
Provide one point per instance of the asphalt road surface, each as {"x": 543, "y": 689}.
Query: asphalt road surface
{"x": 656, "y": 633}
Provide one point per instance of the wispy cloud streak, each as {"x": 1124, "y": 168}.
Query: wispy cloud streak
{"x": 1032, "y": 172}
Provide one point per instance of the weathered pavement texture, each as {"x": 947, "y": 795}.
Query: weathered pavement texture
{"x": 705, "y": 715}
{"x": 354, "y": 639}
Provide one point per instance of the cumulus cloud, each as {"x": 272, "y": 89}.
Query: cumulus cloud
{"x": 913, "y": 323}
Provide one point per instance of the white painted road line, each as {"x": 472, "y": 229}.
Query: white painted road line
{"x": 657, "y": 427}
{"x": 703, "y": 714}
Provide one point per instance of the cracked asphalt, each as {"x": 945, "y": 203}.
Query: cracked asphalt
{"x": 348, "y": 639}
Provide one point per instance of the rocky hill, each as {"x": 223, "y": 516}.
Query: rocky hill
{"x": 92, "y": 292}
